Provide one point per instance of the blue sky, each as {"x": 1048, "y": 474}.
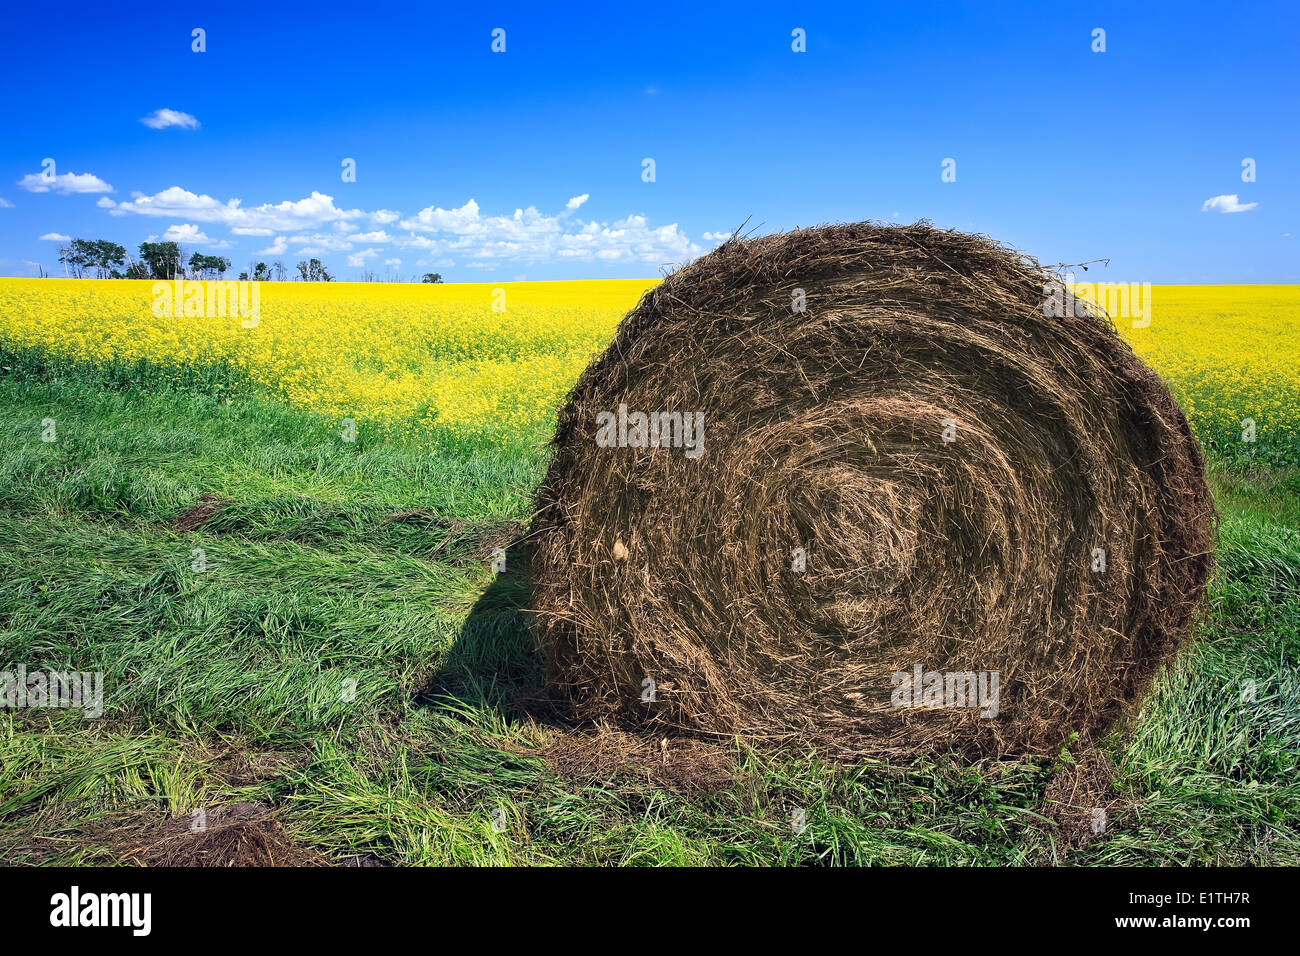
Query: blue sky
{"x": 1065, "y": 153}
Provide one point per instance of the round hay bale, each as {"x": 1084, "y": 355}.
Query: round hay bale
{"x": 919, "y": 511}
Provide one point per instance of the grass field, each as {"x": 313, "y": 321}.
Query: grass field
{"x": 347, "y": 662}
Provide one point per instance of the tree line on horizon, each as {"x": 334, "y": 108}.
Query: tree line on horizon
{"x": 105, "y": 259}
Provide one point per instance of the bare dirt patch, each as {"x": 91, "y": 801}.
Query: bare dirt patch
{"x": 197, "y": 516}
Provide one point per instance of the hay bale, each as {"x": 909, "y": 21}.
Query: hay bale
{"x": 947, "y": 459}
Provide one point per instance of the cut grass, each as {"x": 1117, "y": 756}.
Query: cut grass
{"x": 349, "y": 659}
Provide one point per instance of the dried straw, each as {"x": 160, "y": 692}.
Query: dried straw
{"x": 824, "y": 432}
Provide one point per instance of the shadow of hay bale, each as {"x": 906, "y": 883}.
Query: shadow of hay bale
{"x": 494, "y": 661}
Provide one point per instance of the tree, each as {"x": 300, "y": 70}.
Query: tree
{"x": 105, "y": 256}
{"x": 314, "y": 271}
{"x": 74, "y": 258}
{"x": 102, "y": 255}
{"x": 162, "y": 259}
{"x": 280, "y": 271}
{"x": 261, "y": 273}
{"x": 206, "y": 267}
{"x": 432, "y": 277}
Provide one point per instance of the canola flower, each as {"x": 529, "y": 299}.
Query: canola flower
{"x": 1231, "y": 357}
{"x": 471, "y": 360}
{"x": 441, "y": 359}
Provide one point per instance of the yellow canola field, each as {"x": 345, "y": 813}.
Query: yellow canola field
{"x": 441, "y": 356}
{"x": 476, "y": 359}
{"x": 1229, "y": 353}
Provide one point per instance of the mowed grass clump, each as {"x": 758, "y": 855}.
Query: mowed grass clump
{"x": 349, "y": 665}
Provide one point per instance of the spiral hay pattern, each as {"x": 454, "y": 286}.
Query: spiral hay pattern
{"x": 919, "y": 472}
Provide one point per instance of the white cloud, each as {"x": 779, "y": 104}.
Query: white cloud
{"x": 315, "y": 225}
{"x": 530, "y": 235}
{"x": 5, "y": 203}
{"x": 56, "y": 237}
{"x": 186, "y": 232}
{"x": 161, "y": 119}
{"x": 64, "y": 183}
{"x": 393, "y": 262}
{"x": 1226, "y": 204}
{"x": 360, "y": 258}
{"x": 322, "y": 242}
{"x": 436, "y": 219}
{"x": 175, "y": 202}
{"x": 716, "y": 236}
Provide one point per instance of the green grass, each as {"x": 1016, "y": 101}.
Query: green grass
{"x": 349, "y": 658}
